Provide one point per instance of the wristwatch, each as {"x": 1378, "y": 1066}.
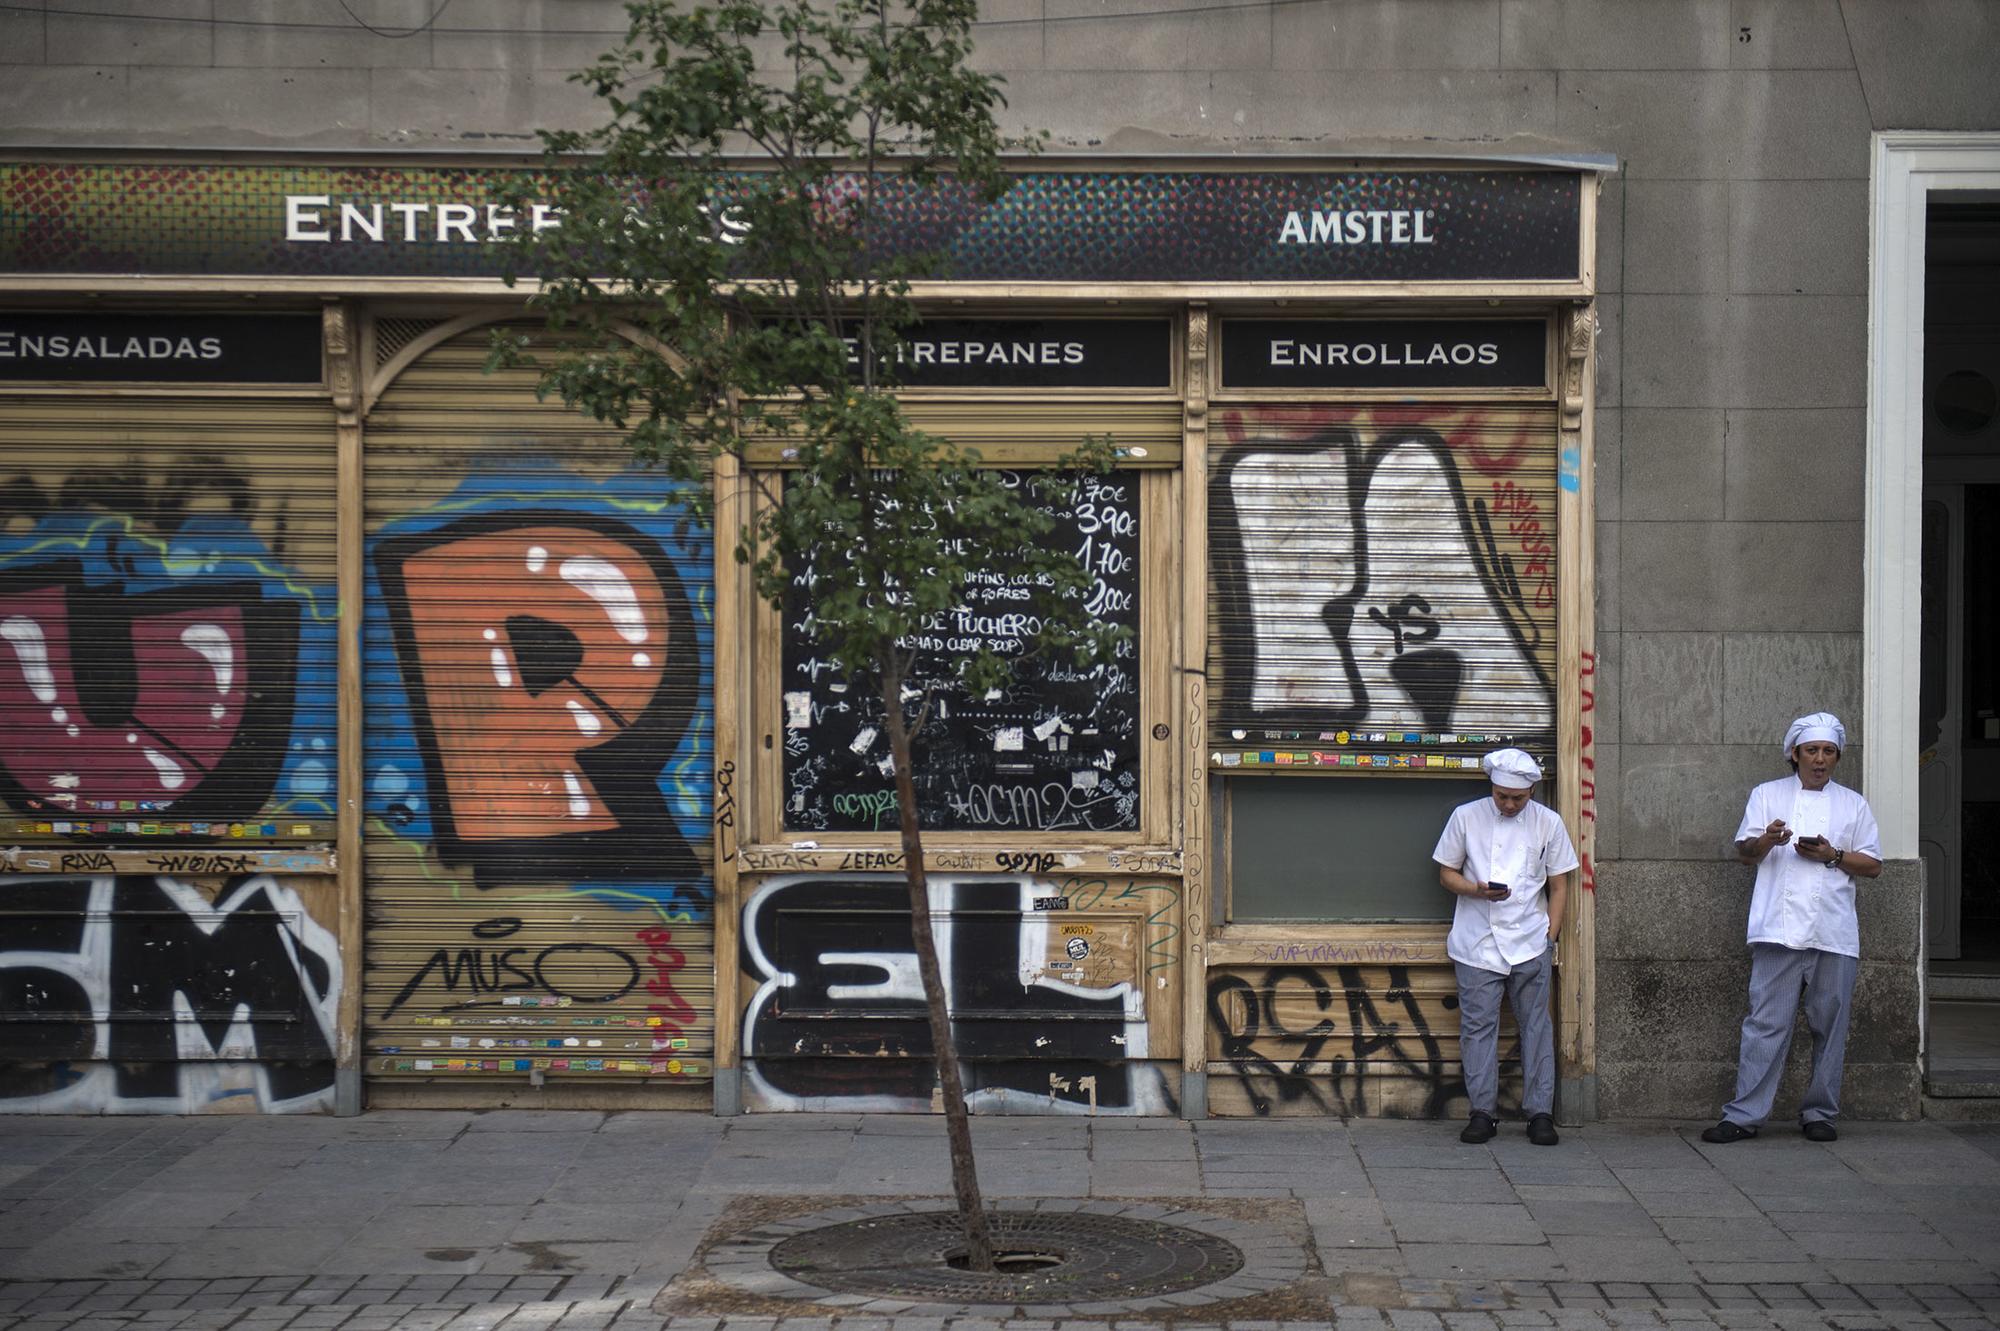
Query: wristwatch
{"x": 1838, "y": 855}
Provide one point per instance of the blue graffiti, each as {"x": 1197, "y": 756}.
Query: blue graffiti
{"x": 162, "y": 664}
{"x": 635, "y": 771}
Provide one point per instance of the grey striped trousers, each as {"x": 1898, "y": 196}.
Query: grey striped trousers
{"x": 1777, "y": 976}
{"x": 1527, "y": 991}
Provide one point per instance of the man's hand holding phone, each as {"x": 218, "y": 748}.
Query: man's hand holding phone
{"x": 1495, "y": 891}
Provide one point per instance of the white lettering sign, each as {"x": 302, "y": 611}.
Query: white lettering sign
{"x": 929, "y": 351}
{"x": 318, "y": 219}
{"x": 1288, "y": 353}
{"x": 1359, "y": 226}
{"x": 61, "y": 346}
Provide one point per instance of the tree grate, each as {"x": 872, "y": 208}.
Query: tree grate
{"x": 1056, "y": 1257}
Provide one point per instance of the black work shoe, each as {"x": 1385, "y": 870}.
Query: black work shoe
{"x": 1819, "y": 1130}
{"x": 1542, "y": 1130}
{"x": 1479, "y": 1128}
{"x": 1726, "y": 1131}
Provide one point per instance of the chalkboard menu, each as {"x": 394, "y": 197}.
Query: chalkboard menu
{"x": 1055, "y": 750}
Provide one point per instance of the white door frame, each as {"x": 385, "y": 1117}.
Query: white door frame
{"x": 1908, "y": 166}
{"x": 1942, "y": 779}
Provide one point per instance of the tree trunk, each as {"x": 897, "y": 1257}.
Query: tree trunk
{"x": 958, "y": 1124}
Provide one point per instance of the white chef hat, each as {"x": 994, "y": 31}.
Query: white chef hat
{"x": 1819, "y": 726}
{"x": 1511, "y": 769}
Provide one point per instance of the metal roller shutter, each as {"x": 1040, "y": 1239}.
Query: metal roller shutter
{"x": 169, "y": 571}
{"x": 1383, "y": 585}
{"x": 167, "y": 687}
{"x": 540, "y": 757}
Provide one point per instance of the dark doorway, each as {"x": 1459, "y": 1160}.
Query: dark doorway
{"x": 1959, "y": 704}
{"x": 1959, "y": 727}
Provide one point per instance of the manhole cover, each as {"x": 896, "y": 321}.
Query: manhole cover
{"x": 1047, "y": 1257}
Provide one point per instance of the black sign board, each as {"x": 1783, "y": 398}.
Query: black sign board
{"x": 1057, "y": 750}
{"x": 1034, "y": 353}
{"x": 1384, "y": 353}
{"x": 161, "y": 348}
{"x": 411, "y": 220}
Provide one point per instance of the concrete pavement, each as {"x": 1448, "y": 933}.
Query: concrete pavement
{"x": 412, "y": 1221}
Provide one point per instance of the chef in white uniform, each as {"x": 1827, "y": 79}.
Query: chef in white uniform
{"x": 1810, "y": 838}
{"x": 1508, "y": 860}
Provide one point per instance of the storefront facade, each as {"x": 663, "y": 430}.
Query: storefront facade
{"x": 509, "y": 792}
{"x": 1757, "y": 451}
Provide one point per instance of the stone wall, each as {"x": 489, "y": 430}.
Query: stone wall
{"x": 1673, "y": 977}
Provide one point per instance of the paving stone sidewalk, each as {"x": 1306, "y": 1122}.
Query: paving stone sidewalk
{"x": 578, "y": 1221}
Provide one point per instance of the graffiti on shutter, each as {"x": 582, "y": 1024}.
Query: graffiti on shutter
{"x": 1384, "y": 585}
{"x": 167, "y": 639}
{"x": 540, "y": 751}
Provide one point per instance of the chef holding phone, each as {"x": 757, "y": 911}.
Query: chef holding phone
{"x": 1508, "y": 860}
{"x": 1810, "y": 838}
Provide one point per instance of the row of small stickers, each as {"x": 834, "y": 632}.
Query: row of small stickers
{"x": 1427, "y": 738}
{"x": 127, "y": 827}
{"x": 1316, "y": 758}
{"x": 659, "y": 1067}
{"x": 656, "y": 1044}
{"x": 462, "y": 1020}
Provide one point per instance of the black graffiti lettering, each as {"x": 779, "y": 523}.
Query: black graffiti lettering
{"x": 49, "y": 1021}
{"x": 179, "y": 863}
{"x": 773, "y": 861}
{"x": 1404, "y": 647}
{"x": 1408, "y": 620}
{"x": 506, "y": 966}
{"x": 725, "y": 809}
{"x": 609, "y": 994}
{"x": 1433, "y": 679}
{"x": 1239, "y": 1041}
{"x": 1393, "y": 1037}
{"x": 501, "y": 926}
{"x": 482, "y": 972}
{"x": 862, "y": 861}
{"x": 441, "y": 961}
{"x": 832, "y": 1020}
{"x": 246, "y": 965}
{"x": 49, "y": 1015}
{"x": 242, "y": 964}
{"x": 1025, "y": 861}
{"x": 1338, "y": 614}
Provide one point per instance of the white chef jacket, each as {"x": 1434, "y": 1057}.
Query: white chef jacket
{"x": 1797, "y": 902}
{"x": 1524, "y": 852}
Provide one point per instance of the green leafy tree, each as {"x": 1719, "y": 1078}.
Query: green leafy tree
{"x": 734, "y": 213}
